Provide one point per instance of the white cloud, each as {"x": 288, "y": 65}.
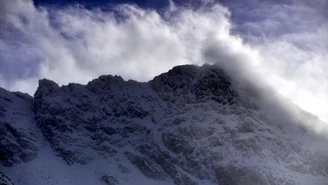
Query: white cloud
{"x": 77, "y": 45}
{"x": 297, "y": 56}
{"x": 2, "y": 82}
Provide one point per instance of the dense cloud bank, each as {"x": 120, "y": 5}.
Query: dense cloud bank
{"x": 282, "y": 45}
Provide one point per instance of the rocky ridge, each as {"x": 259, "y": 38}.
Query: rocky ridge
{"x": 191, "y": 125}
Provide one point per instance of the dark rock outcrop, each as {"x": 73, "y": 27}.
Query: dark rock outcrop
{"x": 188, "y": 126}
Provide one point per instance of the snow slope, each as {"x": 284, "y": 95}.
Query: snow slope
{"x": 191, "y": 125}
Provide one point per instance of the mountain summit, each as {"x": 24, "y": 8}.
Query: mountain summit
{"x": 192, "y": 125}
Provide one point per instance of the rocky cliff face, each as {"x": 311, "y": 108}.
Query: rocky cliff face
{"x": 18, "y": 142}
{"x": 191, "y": 125}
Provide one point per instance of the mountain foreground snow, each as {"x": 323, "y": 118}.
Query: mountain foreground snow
{"x": 192, "y": 125}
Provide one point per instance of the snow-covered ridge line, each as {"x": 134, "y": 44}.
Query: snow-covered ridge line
{"x": 191, "y": 125}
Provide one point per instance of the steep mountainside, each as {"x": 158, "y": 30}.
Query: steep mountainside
{"x": 191, "y": 125}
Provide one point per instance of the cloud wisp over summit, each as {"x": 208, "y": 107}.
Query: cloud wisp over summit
{"x": 273, "y": 41}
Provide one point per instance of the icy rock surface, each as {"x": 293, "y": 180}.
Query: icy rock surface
{"x": 189, "y": 126}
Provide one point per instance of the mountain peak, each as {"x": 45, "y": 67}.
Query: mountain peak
{"x": 105, "y": 82}
{"x": 190, "y": 125}
{"x": 205, "y": 82}
{"x": 46, "y": 87}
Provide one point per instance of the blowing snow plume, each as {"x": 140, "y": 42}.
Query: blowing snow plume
{"x": 75, "y": 44}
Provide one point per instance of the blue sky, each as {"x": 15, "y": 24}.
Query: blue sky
{"x": 100, "y": 3}
{"x": 283, "y": 43}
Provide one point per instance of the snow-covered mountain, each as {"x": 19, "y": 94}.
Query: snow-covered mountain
{"x": 191, "y": 125}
